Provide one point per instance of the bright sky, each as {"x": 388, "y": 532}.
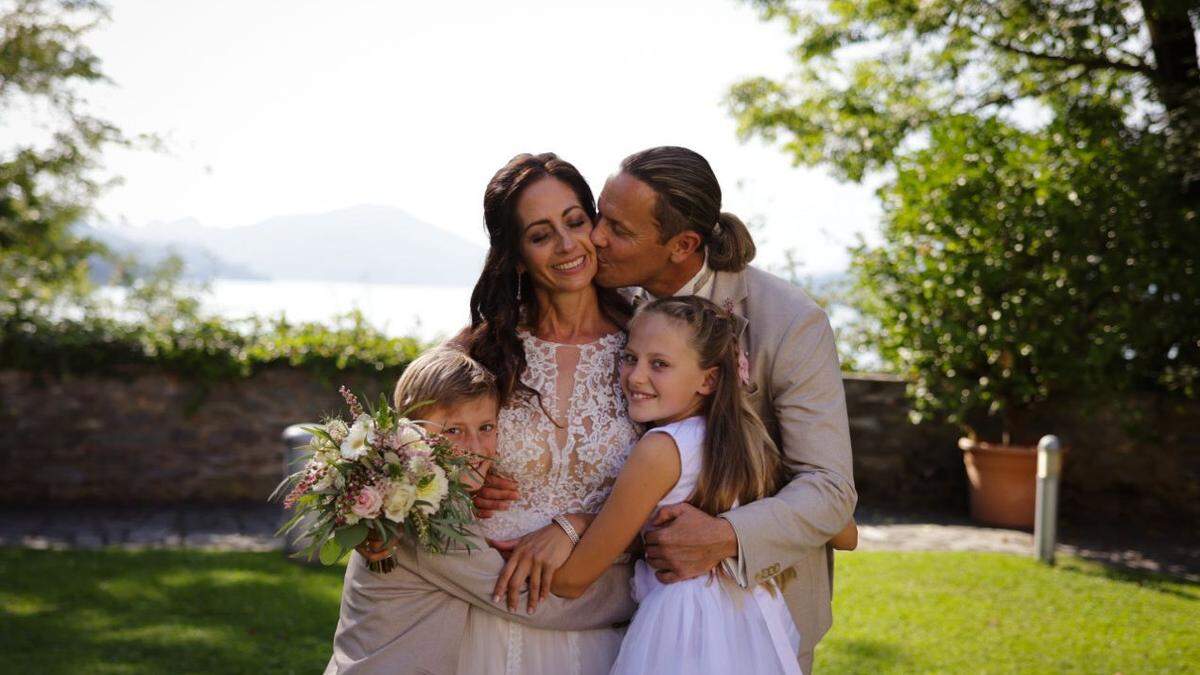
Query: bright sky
{"x": 300, "y": 106}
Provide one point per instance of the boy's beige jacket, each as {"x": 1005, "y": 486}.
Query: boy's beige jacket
{"x": 412, "y": 619}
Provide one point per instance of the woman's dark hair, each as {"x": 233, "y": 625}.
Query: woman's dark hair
{"x": 495, "y": 312}
{"x": 689, "y": 198}
{"x": 741, "y": 463}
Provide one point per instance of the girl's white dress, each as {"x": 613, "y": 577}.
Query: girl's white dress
{"x": 560, "y": 469}
{"x": 706, "y": 624}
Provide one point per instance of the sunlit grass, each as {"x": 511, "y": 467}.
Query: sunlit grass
{"x": 978, "y": 612}
{"x": 189, "y": 611}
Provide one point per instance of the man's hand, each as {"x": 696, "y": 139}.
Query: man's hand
{"x": 687, "y": 542}
{"x": 532, "y": 560}
{"x": 496, "y": 494}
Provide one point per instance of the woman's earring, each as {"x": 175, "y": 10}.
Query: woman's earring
{"x": 518, "y": 287}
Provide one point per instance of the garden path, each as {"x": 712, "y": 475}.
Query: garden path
{"x": 251, "y": 527}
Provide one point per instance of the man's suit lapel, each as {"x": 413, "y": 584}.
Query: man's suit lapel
{"x": 729, "y": 290}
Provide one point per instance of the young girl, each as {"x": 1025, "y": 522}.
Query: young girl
{"x": 705, "y": 446}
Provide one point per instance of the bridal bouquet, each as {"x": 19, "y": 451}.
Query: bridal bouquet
{"x": 381, "y": 475}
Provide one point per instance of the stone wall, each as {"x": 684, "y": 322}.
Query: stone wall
{"x": 896, "y": 463}
{"x": 1134, "y": 459}
{"x": 150, "y": 437}
{"x": 153, "y": 437}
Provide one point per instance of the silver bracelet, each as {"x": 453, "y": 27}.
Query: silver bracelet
{"x": 567, "y": 527}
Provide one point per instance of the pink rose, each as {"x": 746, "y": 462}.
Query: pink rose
{"x": 367, "y": 502}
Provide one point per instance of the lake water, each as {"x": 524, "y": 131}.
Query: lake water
{"x": 427, "y": 312}
{"x": 424, "y": 311}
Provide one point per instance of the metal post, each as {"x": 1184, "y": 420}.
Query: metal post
{"x": 294, "y": 440}
{"x": 1045, "y": 521}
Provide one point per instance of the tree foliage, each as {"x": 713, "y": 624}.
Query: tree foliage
{"x": 1040, "y": 202}
{"x": 873, "y": 75}
{"x": 49, "y": 178}
{"x": 51, "y": 318}
{"x": 1011, "y": 270}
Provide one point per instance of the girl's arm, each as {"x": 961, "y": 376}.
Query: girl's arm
{"x": 648, "y": 475}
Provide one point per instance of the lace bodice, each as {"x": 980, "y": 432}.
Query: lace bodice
{"x": 571, "y": 467}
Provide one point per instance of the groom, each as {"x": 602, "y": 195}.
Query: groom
{"x": 660, "y": 233}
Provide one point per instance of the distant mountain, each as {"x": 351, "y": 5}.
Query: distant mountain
{"x": 374, "y": 244}
{"x": 200, "y": 264}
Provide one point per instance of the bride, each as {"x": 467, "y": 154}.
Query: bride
{"x": 551, "y": 338}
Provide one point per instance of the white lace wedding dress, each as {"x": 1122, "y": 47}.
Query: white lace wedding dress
{"x": 560, "y": 469}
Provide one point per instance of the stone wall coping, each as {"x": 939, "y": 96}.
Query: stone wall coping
{"x": 873, "y": 377}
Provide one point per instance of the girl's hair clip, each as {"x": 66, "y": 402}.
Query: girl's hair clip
{"x": 743, "y": 366}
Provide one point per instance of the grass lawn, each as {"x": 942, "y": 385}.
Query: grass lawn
{"x": 164, "y": 612}
{"x": 997, "y": 613}
{"x": 186, "y": 611}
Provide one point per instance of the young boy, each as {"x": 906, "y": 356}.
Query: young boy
{"x": 386, "y": 619}
{"x": 448, "y": 393}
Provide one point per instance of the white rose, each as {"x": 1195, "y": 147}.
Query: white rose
{"x": 398, "y": 501}
{"x": 355, "y": 445}
{"x": 434, "y": 491}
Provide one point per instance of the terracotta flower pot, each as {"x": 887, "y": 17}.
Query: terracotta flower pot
{"x": 1003, "y": 483}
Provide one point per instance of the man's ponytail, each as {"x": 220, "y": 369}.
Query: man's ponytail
{"x": 730, "y": 247}
{"x": 689, "y": 198}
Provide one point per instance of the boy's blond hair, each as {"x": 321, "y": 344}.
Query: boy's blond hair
{"x": 442, "y": 376}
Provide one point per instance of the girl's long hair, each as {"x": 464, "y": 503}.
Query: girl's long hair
{"x": 495, "y": 312}
{"x": 741, "y": 463}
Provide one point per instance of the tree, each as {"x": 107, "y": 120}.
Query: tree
{"x": 49, "y": 180}
{"x": 1003, "y": 280}
{"x": 873, "y": 75}
{"x": 1024, "y": 255}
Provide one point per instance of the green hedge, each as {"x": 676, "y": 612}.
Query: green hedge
{"x": 203, "y": 349}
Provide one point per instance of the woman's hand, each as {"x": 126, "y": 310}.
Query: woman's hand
{"x": 532, "y": 559}
{"x": 373, "y": 551}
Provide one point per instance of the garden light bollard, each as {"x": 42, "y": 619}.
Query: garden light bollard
{"x": 294, "y": 439}
{"x": 1049, "y": 467}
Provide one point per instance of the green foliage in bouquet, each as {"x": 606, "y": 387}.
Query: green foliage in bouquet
{"x": 382, "y": 476}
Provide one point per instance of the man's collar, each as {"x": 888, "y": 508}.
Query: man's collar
{"x": 696, "y": 285}
{"x": 727, "y": 289}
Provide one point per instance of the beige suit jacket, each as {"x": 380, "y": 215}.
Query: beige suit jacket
{"x": 412, "y": 619}
{"x": 800, "y": 397}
